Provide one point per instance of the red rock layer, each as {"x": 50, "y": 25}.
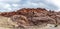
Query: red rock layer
{"x": 23, "y": 11}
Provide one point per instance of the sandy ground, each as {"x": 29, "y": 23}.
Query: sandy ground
{"x": 46, "y": 27}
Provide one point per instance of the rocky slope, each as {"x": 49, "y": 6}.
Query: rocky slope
{"x": 27, "y": 17}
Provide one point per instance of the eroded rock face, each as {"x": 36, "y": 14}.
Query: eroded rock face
{"x": 33, "y": 16}
{"x": 21, "y": 20}
{"x": 40, "y": 18}
{"x": 23, "y": 11}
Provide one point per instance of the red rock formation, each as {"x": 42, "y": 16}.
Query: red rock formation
{"x": 34, "y": 15}
{"x": 26, "y": 10}
{"x": 23, "y": 11}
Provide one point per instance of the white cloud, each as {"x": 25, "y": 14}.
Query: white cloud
{"x": 33, "y": 5}
{"x": 10, "y": 1}
{"x": 6, "y": 6}
{"x": 56, "y": 3}
{"x": 11, "y": 5}
{"x": 15, "y": 5}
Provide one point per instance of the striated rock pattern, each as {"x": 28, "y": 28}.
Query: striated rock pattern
{"x": 33, "y": 17}
{"x": 21, "y": 20}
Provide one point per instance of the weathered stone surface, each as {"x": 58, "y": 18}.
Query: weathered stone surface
{"x": 21, "y": 20}
{"x": 23, "y": 11}
{"x": 6, "y": 23}
{"x": 33, "y": 16}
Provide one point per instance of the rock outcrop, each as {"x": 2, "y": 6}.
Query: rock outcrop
{"x": 33, "y": 16}
{"x": 22, "y": 11}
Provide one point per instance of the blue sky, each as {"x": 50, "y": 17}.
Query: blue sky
{"x": 12, "y": 5}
